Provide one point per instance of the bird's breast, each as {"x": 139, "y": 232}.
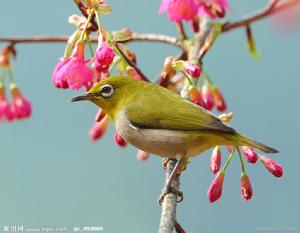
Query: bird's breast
{"x": 162, "y": 142}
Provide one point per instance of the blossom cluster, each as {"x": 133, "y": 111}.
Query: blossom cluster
{"x": 215, "y": 190}
{"x": 201, "y": 90}
{"x": 19, "y": 107}
{"x": 76, "y": 70}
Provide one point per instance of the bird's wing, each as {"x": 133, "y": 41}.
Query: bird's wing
{"x": 167, "y": 111}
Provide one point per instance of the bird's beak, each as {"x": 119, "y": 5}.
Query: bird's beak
{"x": 87, "y": 96}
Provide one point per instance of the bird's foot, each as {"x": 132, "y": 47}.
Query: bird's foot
{"x": 169, "y": 189}
{"x": 165, "y": 162}
{"x": 182, "y": 167}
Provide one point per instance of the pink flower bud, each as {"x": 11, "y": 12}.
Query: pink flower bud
{"x": 100, "y": 115}
{"x": 215, "y": 160}
{"x": 192, "y": 69}
{"x": 207, "y": 96}
{"x": 142, "y": 155}
{"x": 250, "y": 154}
{"x": 246, "y": 188}
{"x": 195, "y": 96}
{"x": 215, "y": 190}
{"x": 119, "y": 140}
{"x": 219, "y": 99}
{"x": 6, "y": 111}
{"x": 5, "y": 108}
{"x": 272, "y": 166}
{"x": 103, "y": 58}
{"x": 98, "y": 129}
{"x": 21, "y": 107}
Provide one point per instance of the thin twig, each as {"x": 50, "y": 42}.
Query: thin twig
{"x": 83, "y": 9}
{"x": 132, "y": 64}
{"x": 271, "y": 9}
{"x": 147, "y": 37}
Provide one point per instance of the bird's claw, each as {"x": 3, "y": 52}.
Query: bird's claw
{"x": 167, "y": 190}
{"x": 165, "y": 163}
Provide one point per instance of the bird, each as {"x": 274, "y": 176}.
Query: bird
{"x": 157, "y": 120}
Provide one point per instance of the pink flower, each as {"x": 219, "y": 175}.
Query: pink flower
{"x": 215, "y": 190}
{"x": 208, "y": 98}
{"x": 21, "y": 107}
{"x": 72, "y": 72}
{"x": 98, "y": 129}
{"x": 246, "y": 188}
{"x": 215, "y": 160}
{"x": 195, "y": 96}
{"x": 142, "y": 155}
{"x": 192, "y": 69}
{"x": 103, "y": 58}
{"x": 5, "y": 108}
{"x": 213, "y": 8}
{"x": 119, "y": 140}
{"x": 272, "y": 166}
{"x": 250, "y": 154}
{"x": 179, "y": 10}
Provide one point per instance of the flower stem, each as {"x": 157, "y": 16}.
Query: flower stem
{"x": 228, "y": 161}
{"x": 117, "y": 50}
{"x": 86, "y": 25}
{"x": 188, "y": 78}
{"x": 90, "y": 45}
{"x": 2, "y": 77}
{"x": 207, "y": 78}
{"x": 10, "y": 75}
{"x": 112, "y": 66}
{"x": 241, "y": 159}
{"x": 99, "y": 26}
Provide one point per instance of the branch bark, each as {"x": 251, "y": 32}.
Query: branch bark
{"x": 144, "y": 37}
{"x": 169, "y": 204}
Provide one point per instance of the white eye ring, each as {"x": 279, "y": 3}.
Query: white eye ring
{"x": 107, "y": 90}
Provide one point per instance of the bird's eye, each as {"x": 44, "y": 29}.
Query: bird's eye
{"x": 107, "y": 91}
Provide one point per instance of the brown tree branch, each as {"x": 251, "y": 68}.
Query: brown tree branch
{"x": 273, "y": 8}
{"x": 169, "y": 204}
{"x": 147, "y": 37}
{"x": 151, "y": 37}
{"x": 132, "y": 64}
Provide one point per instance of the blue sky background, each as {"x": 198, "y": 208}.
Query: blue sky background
{"x": 51, "y": 174}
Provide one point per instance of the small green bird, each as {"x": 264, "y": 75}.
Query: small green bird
{"x": 157, "y": 120}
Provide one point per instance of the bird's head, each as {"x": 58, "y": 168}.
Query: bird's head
{"x": 110, "y": 94}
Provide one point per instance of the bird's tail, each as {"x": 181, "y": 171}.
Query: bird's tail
{"x": 245, "y": 141}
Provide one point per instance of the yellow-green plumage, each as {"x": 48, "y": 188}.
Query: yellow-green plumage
{"x": 159, "y": 121}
